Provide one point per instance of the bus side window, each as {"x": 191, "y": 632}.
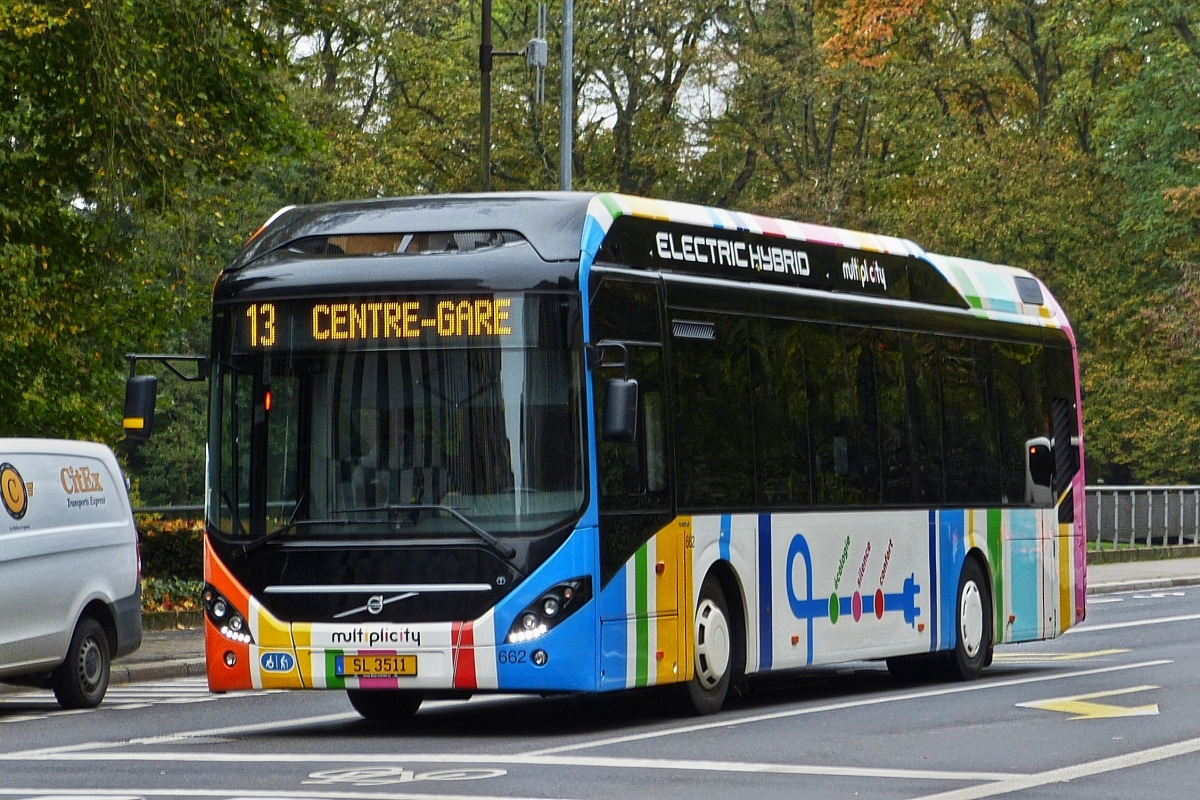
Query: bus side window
{"x": 1023, "y": 410}
{"x": 922, "y": 382}
{"x": 899, "y": 467}
{"x": 780, "y": 413}
{"x": 968, "y": 422}
{"x": 842, "y": 415}
{"x": 714, "y": 439}
{"x": 633, "y": 474}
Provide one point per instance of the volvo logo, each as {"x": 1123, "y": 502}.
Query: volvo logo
{"x": 375, "y": 604}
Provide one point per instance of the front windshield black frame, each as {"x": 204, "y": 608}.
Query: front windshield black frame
{"x": 373, "y": 437}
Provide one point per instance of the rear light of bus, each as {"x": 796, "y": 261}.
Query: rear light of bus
{"x": 224, "y": 617}
{"x": 552, "y": 607}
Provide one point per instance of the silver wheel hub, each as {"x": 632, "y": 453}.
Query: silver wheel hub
{"x": 90, "y": 665}
{"x": 970, "y": 616}
{"x": 712, "y": 638}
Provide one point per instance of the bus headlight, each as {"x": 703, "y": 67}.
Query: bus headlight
{"x": 224, "y": 617}
{"x": 551, "y": 608}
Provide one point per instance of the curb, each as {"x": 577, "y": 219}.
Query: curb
{"x": 1143, "y": 585}
{"x": 156, "y": 671}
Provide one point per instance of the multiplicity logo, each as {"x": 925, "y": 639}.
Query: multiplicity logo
{"x": 376, "y": 636}
{"x": 864, "y": 271}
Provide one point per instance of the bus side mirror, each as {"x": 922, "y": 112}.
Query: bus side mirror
{"x": 140, "y": 393}
{"x": 1039, "y": 472}
{"x": 620, "y": 410}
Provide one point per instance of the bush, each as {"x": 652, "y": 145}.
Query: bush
{"x": 172, "y": 548}
{"x": 170, "y": 594}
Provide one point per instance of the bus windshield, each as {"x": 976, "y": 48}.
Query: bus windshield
{"x": 430, "y": 416}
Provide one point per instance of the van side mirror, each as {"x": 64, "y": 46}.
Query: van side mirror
{"x": 620, "y": 410}
{"x": 1039, "y": 472}
{"x": 140, "y": 394}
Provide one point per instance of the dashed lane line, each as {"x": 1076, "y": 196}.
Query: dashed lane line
{"x": 1137, "y": 623}
{"x": 1065, "y": 774}
{"x": 726, "y": 722}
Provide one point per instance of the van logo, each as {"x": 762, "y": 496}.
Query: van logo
{"x": 277, "y": 662}
{"x": 375, "y": 604}
{"x": 80, "y": 480}
{"x": 15, "y": 492}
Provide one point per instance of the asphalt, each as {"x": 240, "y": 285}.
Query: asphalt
{"x": 180, "y": 653}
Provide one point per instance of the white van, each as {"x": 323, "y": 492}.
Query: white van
{"x": 70, "y": 571}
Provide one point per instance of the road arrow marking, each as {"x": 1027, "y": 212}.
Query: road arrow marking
{"x": 1082, "y": 709}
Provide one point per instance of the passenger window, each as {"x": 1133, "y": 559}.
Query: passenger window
{"x": 780, "y": 413}
{"x": 1024, "y": 411}
{"x": 899, "y": 470}
{"x": 969, "y": 422}
{"x": 714, "y": 436}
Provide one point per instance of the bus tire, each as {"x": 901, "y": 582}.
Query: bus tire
{"x": 82, "y": 679}
{"x": 973, "y": 624}
{"x": 712, "y": 640}
{"x": 394, "y": 706}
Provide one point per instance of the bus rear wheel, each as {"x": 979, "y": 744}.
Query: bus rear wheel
{"x": 394, "y": 706}
{"x": 713, "y": 641}
{"x": 973, "y": 628}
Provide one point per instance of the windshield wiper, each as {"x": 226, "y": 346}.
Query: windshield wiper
{"x": 500, "y": 547}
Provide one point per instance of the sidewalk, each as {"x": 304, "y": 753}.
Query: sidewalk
{"x": 1140, "y": 576}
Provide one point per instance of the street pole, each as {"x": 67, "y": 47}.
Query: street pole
{"x": 485, "y": 96}
{"x": 566, "y": 134}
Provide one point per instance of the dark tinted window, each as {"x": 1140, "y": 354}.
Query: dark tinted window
{"x": 633, "y": 475}
{"x": 898, "y": 464}
{"x": 972, "y": 474}
{"x": 714, "y": 456}
{"x": 924, "y": 387}
{"x": 780, "y": 413}
{"x": 842, "y": 417}
{"x": 1019, "y": 371}
{"x": 624, "y": 311}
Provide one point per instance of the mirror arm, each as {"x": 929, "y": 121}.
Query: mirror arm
{"x": 169, "y": 362}
{"x": 595, "y": 356}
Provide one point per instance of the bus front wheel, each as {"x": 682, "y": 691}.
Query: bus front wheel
{"x": 393, "y": 706}
{"x": 712, "y": 638}
{"x": 973, "y": 629}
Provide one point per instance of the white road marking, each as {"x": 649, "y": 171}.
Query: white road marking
{"x": 601, "y": 762}
{"x": 237, "y": 794}
{"x": 1064, "y": 774}
{"x": 1158, "y": 595}
{"x": 1099, "y": 601}
{"x": 1112, "y": 626}
{"x": 729, "y": 723}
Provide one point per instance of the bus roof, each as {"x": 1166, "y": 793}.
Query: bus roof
{"x": 569, "y": 226}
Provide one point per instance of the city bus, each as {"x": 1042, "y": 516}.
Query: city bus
{"x": 569, "y": 442}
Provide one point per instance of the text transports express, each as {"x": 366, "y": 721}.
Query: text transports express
{"x": 323, "y": 323}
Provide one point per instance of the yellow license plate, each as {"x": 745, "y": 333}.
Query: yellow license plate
{"x": 376, "y": 666}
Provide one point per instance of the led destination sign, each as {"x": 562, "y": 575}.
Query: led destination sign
{"x": 377, "y": 322}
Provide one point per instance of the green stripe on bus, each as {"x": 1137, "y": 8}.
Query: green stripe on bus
{"x": 332, "y": 681}
{"x": 642, "y": 636}
{"x": 968, "y": 287}
{"x": 610, "y": 202}
{"x": 995, "y": 542}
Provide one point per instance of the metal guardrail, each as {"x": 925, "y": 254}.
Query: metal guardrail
{"x": 1143, "y": 516}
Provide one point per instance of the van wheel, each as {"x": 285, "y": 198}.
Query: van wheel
{"x": 394, "y": 706}
{"x": 973, "y": 628}
{"x": 82, "y": 679}
{"x": 712, "y": 637}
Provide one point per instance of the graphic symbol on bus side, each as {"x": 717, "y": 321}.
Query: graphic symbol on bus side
{"x": 277, "y": 662}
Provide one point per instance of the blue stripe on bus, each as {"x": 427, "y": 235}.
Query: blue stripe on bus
{"x": 726, "y": 532}
{"x": 764, "y": 592}
{"x": 952, "y": 549}
{"x": 933, "y": 582}
{"x": 614, "y": 633}
{"x": 716, "y": 219}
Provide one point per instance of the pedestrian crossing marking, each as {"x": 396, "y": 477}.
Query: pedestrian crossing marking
{"x": 40, "y": 704}
{"x": 1048, "y": 658}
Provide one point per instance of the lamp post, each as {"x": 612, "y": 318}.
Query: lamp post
{"x": 565, "y": 133}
